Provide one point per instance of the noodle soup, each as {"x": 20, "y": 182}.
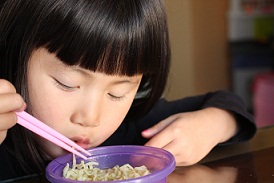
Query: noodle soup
{"x": 89, "y": 172}
{"x": 158, "y": 162}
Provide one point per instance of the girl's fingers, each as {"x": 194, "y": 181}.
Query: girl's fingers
{"x": 166, "y": 132}
{"x": 6, "y": 87}
{"x": 173, "y": 150}
{"x": 160, "y": 134}
{"x": 11, "y": 102}
{"x": 150, "y": 132}
{"x": 9, "y": 99}
{"x": 7, "y": 121}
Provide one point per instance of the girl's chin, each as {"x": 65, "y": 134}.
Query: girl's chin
{"x": 55, "y": 152}
{"x": 58, "y": 153}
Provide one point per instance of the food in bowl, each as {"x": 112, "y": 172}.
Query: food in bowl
{"x": 89, "y": 172}
{"x": 158, "y": 161}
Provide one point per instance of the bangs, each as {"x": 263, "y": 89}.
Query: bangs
{"x": 113, "y": 37}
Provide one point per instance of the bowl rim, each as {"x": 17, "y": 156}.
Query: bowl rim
{"x": 160, "y": 174}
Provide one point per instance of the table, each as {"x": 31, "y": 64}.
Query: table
{"x": 246, "y": 162}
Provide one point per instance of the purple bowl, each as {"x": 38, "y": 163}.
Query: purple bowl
{"x": 160, "y": 162}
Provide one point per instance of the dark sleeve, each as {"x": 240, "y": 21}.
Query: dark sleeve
{"x": 130, "y": 133}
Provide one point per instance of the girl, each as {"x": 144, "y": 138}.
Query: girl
{"x": 95, "y": 71}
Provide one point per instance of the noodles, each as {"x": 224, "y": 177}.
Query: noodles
{"x": 89, "y": 172}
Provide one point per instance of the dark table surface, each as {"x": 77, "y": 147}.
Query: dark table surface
{"x": 247, "y": 162}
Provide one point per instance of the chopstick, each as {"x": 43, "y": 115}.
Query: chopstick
{"x": 40, "y": 128}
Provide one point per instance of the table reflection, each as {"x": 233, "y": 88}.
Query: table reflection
{"x": 255, "y": 166}
{"x": 205, "y": 174}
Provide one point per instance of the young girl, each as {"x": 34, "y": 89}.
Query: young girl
{"x": 95, "y": 70}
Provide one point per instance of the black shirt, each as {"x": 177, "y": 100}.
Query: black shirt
{"x": 130, "y": 132}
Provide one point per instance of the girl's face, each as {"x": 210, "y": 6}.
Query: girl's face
{"x": 85, "y": 106}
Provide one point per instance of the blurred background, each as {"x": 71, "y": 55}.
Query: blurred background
{"x": 223, "y": 45}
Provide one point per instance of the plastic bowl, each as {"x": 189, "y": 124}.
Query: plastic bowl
{"x": 160, "y": 162}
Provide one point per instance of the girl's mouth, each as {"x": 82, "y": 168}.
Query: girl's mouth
{"x": 83, "y": 145}
{"x": 82, "y": 142}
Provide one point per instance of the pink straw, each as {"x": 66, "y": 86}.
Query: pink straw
{"x": 40, "y": 128}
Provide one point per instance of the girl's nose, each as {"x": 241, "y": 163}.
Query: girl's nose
{"x": 86, "y": 117}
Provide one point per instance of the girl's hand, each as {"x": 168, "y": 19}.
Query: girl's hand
{"x": 10, "y": 102}
{"x": 191, "y": 136}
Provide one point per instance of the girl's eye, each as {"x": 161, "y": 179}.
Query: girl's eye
{"x": 65, "y": 87}
{"x": 113, "y": 97}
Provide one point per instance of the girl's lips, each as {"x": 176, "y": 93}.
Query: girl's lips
{"x": 83, "y": 145}
{"x": 82, "y": 142}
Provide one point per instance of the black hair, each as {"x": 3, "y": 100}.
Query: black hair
{"x": 116, "y": 37}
